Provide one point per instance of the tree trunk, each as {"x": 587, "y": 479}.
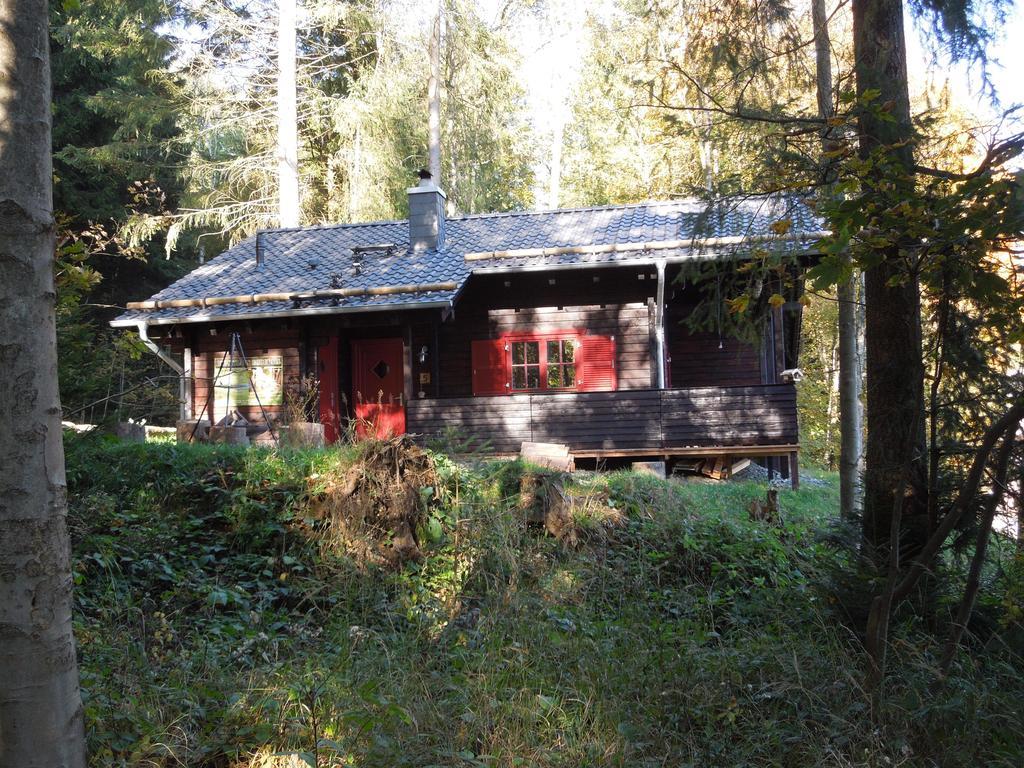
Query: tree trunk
{"x": 895, "y": 401}
{"x": 831, "y": 367}
{"x": 850, "y": 417}
{"x": 934, "y": 451}
{"x": 1020, "y": 513}
{"x": 40, "y": 706}
{"x": 555, "y": 182}
{"x": 899, "y": 588}
{"x": 434, "y": 96}
{"x": 355, "y": 178}
{"x": 963, "y": 615}
{"x": 287, "y": 118}
{"x": 823, "y": 64}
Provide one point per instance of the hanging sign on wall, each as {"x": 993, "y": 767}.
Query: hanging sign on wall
{"x": 267, "y": 384}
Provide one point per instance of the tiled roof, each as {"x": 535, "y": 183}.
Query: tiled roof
{"x": 321, "y": 258}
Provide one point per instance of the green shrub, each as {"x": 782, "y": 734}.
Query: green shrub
{"x": 214, "y": 630}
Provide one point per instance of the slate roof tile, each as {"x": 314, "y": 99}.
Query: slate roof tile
{"x": 313, "y": 258}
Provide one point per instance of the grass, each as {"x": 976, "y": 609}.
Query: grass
{"x": 214, "y": 629}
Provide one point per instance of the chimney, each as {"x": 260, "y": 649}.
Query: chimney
{"x": 426, "y": 215}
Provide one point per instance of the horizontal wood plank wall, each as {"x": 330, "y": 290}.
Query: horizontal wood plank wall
{"x": 761, "y": 415}
{"x": 599, "y": 420}
{"x": 752, "y": 415}
{"x": 209, "y": 352}
{"x": 627, "y": 323}
{"x": 423, "y": 371}
{"x": 616, "y": 304}
{"x": 613, "y": 305}
{"x": 490, "y": 424}
{"x": 697, "y": 361}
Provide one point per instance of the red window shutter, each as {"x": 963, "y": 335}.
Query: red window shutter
{"x": 596, "y": 364}
{"x": 490, "y": 374}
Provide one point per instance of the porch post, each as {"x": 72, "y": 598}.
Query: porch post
{"x": 659, "y": 324}
{"x": 185, "y": 385}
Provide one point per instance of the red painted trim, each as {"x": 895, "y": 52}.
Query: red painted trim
{"x": 489, "y": 367}
{"x": 579, "y": 337}
{"x": 607, "y": 382}
{"x": 542, "y": 358}
{"x": 327, "y": 365}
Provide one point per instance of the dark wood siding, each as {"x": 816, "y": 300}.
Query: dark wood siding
{"x": 496, "y": 305}
{"x": 697, "y": 361}
{"x": 496, "y": 424}
{"x": 607, "y": 301}
{"x": 655, "y": 420}
{"x": 209, "y": 351}
{"x": 599, "y": 420}
{"x": 695, "y": 358}
{"x": 627, "y": 323}
{"x": 754, "y": 415}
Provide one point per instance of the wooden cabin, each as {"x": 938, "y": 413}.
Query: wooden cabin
{"x": 560, "y": 326}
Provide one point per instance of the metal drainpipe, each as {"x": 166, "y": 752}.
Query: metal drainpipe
{"x": 659, "y": 324}
{"x": 154, "y": 347}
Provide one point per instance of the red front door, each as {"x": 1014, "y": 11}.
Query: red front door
{"x": 378, "y": 384}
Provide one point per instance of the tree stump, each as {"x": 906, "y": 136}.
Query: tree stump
{"x": 303, "y": 434}
{"x": 193, "y": 430}
{"x": 229, "y": 435}
{"x": 130, "y": 432}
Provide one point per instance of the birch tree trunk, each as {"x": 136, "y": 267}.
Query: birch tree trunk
{"x": 555, "y": 182}
{"x": 850, "y": 415}
{"x": 833, "y": 395}
{"x": 40, "y": 706}
{"x": 434, "y": 97}
{"x": 287, "y": 118}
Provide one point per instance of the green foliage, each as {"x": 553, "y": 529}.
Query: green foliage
{"x": 949, "y": 227}
{"x": 107, "y": 375}
{"x": 362, "y": 104}
{"x": 817, "y": 395}
{"x": 115, "y": 103}
{"x": 737, "y": 299}
{"x": 214, "y": 629}
{"x": 645, "y": 116}
{"x": 115, "y": 132}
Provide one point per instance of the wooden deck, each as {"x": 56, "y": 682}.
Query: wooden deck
{"x": 755, "y": 420}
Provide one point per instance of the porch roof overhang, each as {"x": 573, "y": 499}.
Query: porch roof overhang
{"x": 801, "y": 244}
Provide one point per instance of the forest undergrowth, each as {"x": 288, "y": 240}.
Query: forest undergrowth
{"x": 222, "y": 620}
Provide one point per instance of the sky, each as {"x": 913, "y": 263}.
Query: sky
{"x": 1006, "y": 68}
